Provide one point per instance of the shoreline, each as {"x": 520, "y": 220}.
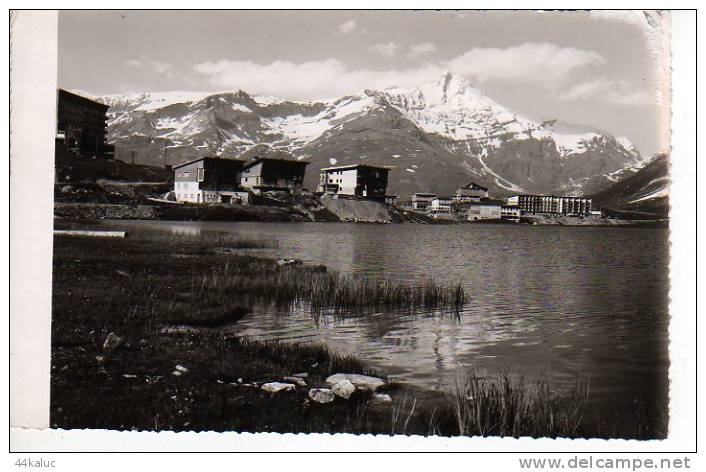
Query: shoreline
{"x": 264, "y": 214}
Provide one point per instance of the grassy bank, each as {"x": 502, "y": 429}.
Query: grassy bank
{"x": 170, "y": 300}
{"x": 177, "y": 366}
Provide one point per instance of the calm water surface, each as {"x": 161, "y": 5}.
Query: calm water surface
{"x": 557, "y": 303}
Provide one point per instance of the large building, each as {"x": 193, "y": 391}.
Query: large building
{"x": 471, "y": 193}
{"x": 511, "y": 213}
{"x": 551, "y": 204}
{"x": 264, "y": 174}
{"x": 358, "y": 180}
{"x": 81, "y": 125}
{"x": 484, "y": 211}
{"x": 209, "y": 180}
{"x": 422, "y": 201}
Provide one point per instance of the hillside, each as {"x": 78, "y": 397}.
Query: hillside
{"x": 645, "y": 192}
{"x": 433, "y": 137}
{"x": 106, "y": 181}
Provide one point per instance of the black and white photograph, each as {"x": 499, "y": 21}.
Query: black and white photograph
{"x": 434, "y": 223}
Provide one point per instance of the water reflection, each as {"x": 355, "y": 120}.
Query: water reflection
{"x": 182, "y": 230}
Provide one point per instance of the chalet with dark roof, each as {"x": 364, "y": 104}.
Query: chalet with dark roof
{"x": 267, "y": 174}
{"x": 209, "y": 180}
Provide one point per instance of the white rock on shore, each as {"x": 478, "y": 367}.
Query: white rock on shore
{"x": 113, "y": 342}
{"x": 381, "y": 398}
{"x": 180, "y": 370}
{"x": 343, "y": 389}
{"x": 275, "y": 387}
{"x": 295, "y": 380}
{"x": 321, "y": 395}
{"x": 364, "y": 382}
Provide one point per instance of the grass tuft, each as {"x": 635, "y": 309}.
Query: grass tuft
{"x": 506, "y": 407}
{"x": 322, "y": 289}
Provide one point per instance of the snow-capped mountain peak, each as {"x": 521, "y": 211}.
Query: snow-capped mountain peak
{"x": 447, "y": 122}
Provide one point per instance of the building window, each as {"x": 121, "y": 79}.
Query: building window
{"x": 200, "y": 174}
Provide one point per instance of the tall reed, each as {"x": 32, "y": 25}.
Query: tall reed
{"x": 505, "y": 407}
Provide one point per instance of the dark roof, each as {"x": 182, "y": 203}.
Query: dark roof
{"x": 475, "y": 185}
{"x": 208, "y": 158}
{"x": 355, "y": 166}
{"x": 425, "y": 194}
{"x": 492, "y": 201}
{"x": 257, "y": 160}
{"x": 80, "y": 98}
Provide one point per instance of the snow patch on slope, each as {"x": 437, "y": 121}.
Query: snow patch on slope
{"x": 659, "y": 193}
{"x": 572, "y": 143}
{"x": 154, "y": 100}
{"x": 499, "y": 180}
{"x": 304, "y": 129}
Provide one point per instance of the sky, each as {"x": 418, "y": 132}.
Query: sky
{"x": 602, "y": 69}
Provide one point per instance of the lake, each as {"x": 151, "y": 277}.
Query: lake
{"x": 561, "y": 304}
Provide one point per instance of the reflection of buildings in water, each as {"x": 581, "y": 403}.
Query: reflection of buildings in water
{"x": 185, "y": 230}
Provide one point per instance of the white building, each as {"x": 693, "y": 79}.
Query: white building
{"x": 512, "y": 213}
{"x": 442, "y": 204}
{"x": 422, "y": 201}
{"x": 357, "y": 180}
{"x": 551, "y": 204}
{"x": 209, "y": 180}
{"x": 484, "y": 211}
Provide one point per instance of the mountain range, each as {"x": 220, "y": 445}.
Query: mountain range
{"x": 433, "y": 137}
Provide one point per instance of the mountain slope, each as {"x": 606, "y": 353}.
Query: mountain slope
{"x": 433, "y": 137}
{"x": 646, "y": 191}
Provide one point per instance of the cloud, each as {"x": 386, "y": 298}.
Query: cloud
{"x": 541, "y": 63}
{"x": 347, "y": 27}
{"x": 422, "y": 49}
{"x": 307, "y": 80}
{"x": 602, "y": 89}
{"x": 384, "y": 49}
{"x": 161, "y": 68}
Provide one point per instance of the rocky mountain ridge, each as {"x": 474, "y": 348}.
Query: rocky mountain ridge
{"x": 433, "y": 138}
